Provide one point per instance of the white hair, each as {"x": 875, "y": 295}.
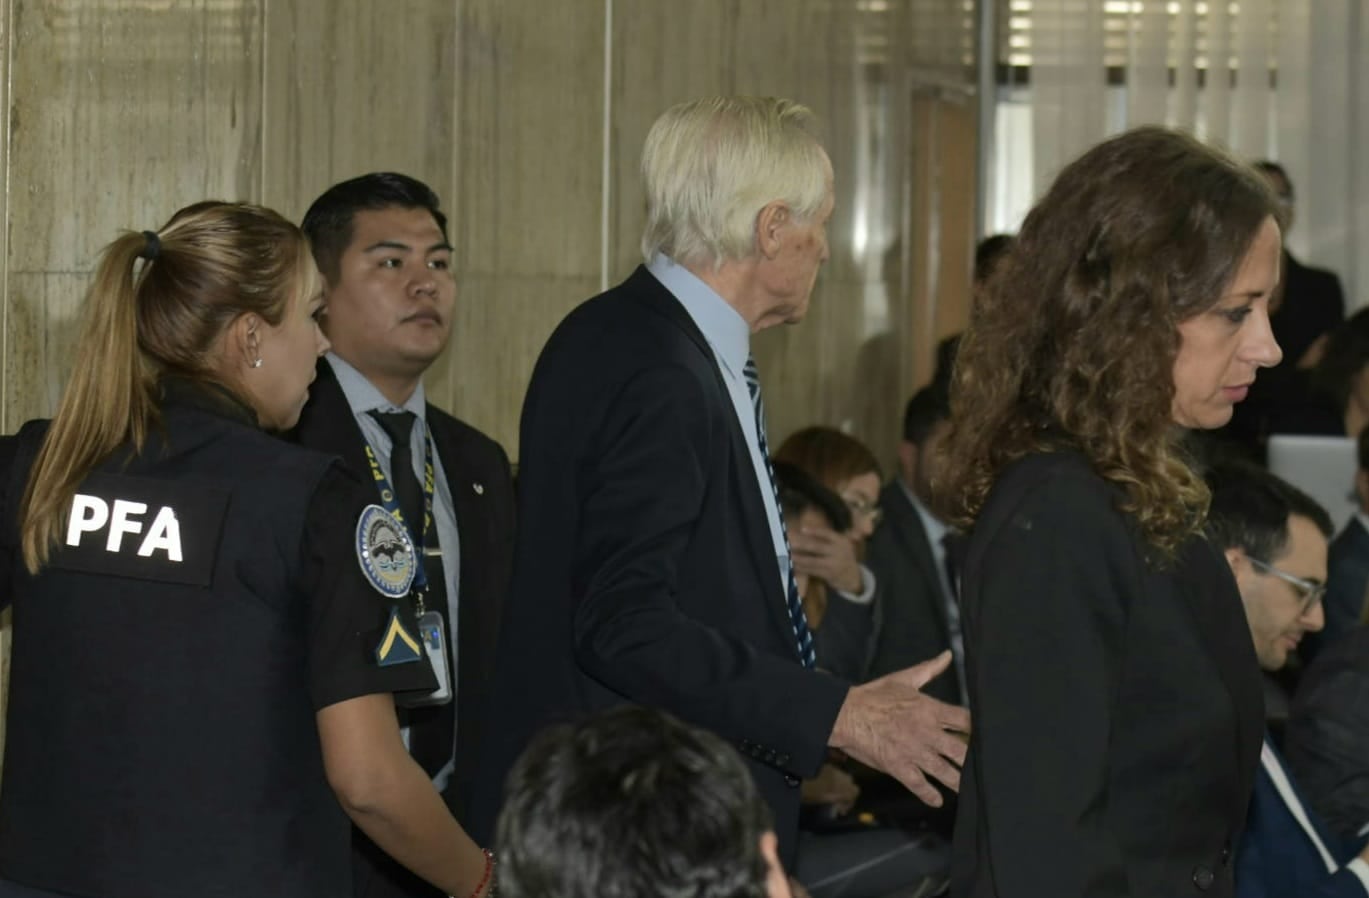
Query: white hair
{"x": 709, "y": 166}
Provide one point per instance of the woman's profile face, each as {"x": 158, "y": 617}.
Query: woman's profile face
{"x": 289, "y": 352}
{"x": 1222, "y": 347}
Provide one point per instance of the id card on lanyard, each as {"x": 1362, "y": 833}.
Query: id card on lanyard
{"x": 431, "y": 627}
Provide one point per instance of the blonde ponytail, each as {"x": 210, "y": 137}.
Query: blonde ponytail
{"x": 210, "y": 263}
{"x": 107, "y": 402}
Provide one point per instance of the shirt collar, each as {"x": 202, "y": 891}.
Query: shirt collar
{"x": 722, "y": 326}
{"x": 936, "y": 530}
{"x": 362, "y": 395}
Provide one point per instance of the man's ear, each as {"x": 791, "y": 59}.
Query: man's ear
{"x": 1235, "y": 557}
{"x": 776, "y": 882}
{"x": 770, "y": 224}
{"x": 907, "y": 458}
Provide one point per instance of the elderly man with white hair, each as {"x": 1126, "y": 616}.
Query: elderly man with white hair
{"x": 651, "y": 566}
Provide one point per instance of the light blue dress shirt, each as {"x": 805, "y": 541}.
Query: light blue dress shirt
{"x": 363, "y": 398}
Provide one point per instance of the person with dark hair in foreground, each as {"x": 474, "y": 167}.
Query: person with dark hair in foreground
{"x": 1117, "y": 701}
{"x": 634, "y": 803}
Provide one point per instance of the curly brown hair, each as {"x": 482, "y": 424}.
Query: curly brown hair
{"x": 1072, "y": 346}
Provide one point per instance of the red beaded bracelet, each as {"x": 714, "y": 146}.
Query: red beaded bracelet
{"x": 489, "y": 872}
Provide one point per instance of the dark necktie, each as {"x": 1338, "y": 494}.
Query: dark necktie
{"x": 952, "y": 544}
{"x": 803, "y": 637}
{"x": 950, "y": 548}
{"x": 432, "y": 729}
{"x": 399, "y": 427}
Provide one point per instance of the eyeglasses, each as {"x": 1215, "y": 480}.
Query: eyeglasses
{"x": 1310, "y": 592}
{"x": 863, "y": 507}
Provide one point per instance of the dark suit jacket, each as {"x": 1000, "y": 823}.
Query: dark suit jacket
{"x": 1347, "y": 566}
{"x": 910, "y": 617}
{"x": 1327, "y": 738}
{"x": 844, "y": 640}
{"x": 645, "y": 570}
{"x": 485, "y": 524}
{"x": 1277, "y": 859}
{"x": 1118, "y": 717}
{"x": 1313, "y": 304}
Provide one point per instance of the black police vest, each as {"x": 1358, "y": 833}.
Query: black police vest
{"x": 161, "y": 739}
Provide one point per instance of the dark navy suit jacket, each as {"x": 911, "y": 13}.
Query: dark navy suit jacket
{"x": 1276, "y": 859}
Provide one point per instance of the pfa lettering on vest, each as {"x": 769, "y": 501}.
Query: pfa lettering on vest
{"x": 144, "y": 528}
{"x": 92, "y": 514}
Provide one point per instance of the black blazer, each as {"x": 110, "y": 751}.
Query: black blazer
{"x": 1118, "y": 714}
{"x": 645, "y": 570}
{"x": 910, "y": 617}
{"x": 1327, "y": 738}
{"x": 478, "y": 476}
{"x": 1313, "y": 304}
{"x": 1347, "y": 566}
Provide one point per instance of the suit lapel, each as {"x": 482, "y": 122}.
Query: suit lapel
{"x": 745, "y": 482}
{"x": 1359, "y": 535}
{"x": 477, "y": 615}
{"x": 912, "y": 536}
{"x": 1215, "y": 605}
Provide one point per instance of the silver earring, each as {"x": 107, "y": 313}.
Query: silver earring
{"x": 257, "y": 363}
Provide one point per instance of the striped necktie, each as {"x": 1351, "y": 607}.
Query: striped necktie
{"x": 802, "y": 635}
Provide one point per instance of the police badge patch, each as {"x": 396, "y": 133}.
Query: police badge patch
{"x": 386, "y": 552}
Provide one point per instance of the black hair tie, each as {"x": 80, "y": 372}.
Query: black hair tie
{"x": 153, "y": 249}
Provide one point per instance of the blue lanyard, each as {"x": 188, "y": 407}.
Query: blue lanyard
{"x": 387, "y": 499}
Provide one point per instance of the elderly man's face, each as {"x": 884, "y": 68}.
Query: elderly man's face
{"x": 806, "y": 252}
{"x": 793, "y": 249}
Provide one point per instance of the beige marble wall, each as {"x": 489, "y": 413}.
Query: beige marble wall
{"x": 527, "y": 117}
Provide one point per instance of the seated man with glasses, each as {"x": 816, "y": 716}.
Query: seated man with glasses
{"x": 1275, "y": 538}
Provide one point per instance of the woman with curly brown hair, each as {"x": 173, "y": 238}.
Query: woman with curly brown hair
{"x": 1118, "y": 713}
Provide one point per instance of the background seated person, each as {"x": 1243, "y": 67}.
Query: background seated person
{"x": 845, "y": 467}
{"x": 814, "y": 515}
{"x": 1274, "y": 538}
{"x": 1347, "y": 566}
{"x": 842, "y": 851}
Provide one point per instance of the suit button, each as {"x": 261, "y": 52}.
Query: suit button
{"x": 1226, "y": 856}
{"x": 1203, "y": 878}
{"x": 791, "y": 781}
{"x": 770, "y": 756}
{"x": 782, "y": 761}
